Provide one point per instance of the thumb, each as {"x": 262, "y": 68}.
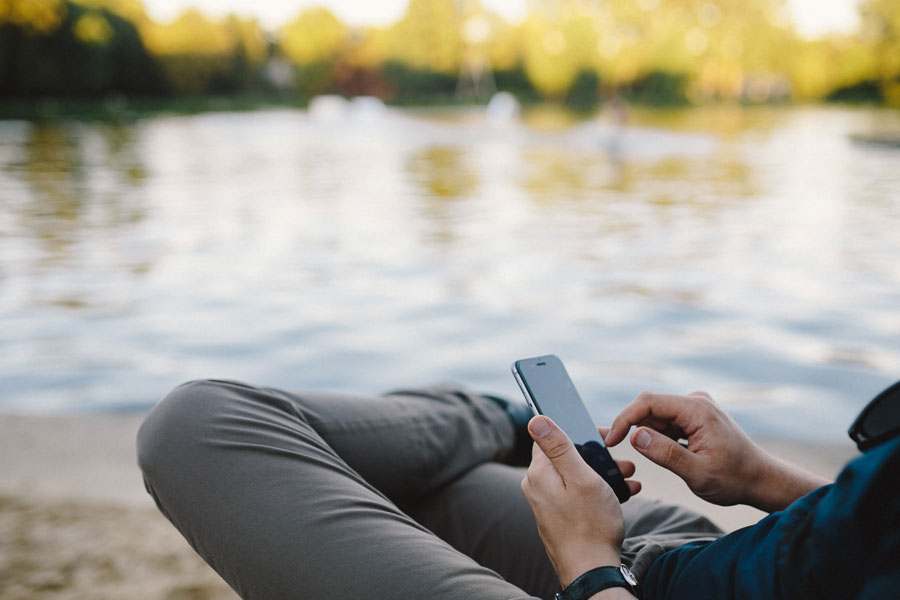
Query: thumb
{"x": 664, "y": 451}
{"x": 556, "y": 446}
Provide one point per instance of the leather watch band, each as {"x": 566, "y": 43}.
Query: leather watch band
{"x": 597, "y": 580}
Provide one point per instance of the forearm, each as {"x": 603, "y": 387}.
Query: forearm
{"x": 778, "y": 484}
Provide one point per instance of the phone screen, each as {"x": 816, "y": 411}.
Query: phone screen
{"x": 549, "y": 391}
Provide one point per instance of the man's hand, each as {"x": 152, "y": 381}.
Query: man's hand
{"x": 720, "y": 463}
{"x": 578, "y": 516}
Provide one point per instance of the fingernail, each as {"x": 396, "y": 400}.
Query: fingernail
{"x": 642, "y": 439}
{"x": 539, "y": 428}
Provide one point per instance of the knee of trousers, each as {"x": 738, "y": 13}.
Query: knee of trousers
{"x": 170, "y": 436}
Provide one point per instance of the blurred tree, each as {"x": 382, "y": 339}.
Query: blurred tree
{"x": 314, "y": 42}
{"x": 713, "y": 46}
{"x": 428, "y": 37}
{"x": 732, "y": 49}
{"x": 503, "y": 45}
{"x": 367, "y": 48}
{"x": 881, "y": 30}
{"x": 199, "y": 55}
{"x": 584, "y": 95}
{"x": 359, "y": 68}
{"x": 249, "y": 52}
{"x": 130, "y": 10}
{"x": 854, "y": 62}
{"x": 315, "y": 35}
{"x": 658, "y": 87}
{"x": 816, "y": 68}
{"x": 191, "y": 33}
{"x": 410, "y": 85}
{"x": 621, "y": 42}
{"x": 654, "y": 50}
{"x": 557, "y": 44}
{"x": 93, "y": 28}
{"x": 41, "y": 16}
{"x": 90, "y": 52}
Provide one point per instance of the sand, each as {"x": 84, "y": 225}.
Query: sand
{"x": 76, "y": 523}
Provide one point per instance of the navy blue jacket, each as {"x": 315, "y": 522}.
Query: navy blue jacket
{"x": 840, "y": 541}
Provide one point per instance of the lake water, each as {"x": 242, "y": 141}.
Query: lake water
{"x": 751, "y": 252}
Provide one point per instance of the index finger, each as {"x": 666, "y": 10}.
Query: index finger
{"x": 663, "y": 408}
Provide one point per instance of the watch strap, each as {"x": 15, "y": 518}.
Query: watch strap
{"x": 597, "y": 580}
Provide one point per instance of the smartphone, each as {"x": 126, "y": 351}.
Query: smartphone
{"x": 549, "y": 391}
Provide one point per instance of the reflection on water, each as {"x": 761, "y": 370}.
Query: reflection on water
{"x": 442, "y": 176}
{"x": 56, "y": 191}
{"x": 751, "y": 252}
{"x": 442, "y": 172}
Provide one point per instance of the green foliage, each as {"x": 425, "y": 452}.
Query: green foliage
{"x": 516, "y": 82}
{"x": 315, "y": 36}
{"x": 658, "y": 87}
{"x": 428, "y": 37}
{"x": 35, "y": 16}
{"x": 413, "y": 85}
{"x": 314, "y": 42}
{"x": 556, "y": 48}
{"x": 584, "y": 93}
{"x": 660, "y": 51}
{"x": 62, "y": 62}
{"x": 200, "y": 56}
{"x": 881, "y": 26}
{"x": 318, "y": 77}
{"x": 128, "y": 109}
{"x": 866, "y": 92}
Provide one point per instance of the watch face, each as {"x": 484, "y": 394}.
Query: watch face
{"x": 628, "y": 575}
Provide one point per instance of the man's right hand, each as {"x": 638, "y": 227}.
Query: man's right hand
{"x": 720, "y": 463}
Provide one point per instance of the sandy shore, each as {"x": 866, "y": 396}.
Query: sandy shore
{"x": 76, "y": 523}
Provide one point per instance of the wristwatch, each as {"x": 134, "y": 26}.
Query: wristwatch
{"x": 597, "y": 580}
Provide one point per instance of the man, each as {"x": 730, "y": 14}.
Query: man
{"x": 412, "y": 495}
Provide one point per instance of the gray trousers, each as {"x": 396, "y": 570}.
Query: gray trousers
{"x": 307, "y": 495}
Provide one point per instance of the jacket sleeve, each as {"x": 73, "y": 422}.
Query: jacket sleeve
{"x": 738, "y": 565}
{"x": 840, "y": 541}
{"x": 880, "y": 542}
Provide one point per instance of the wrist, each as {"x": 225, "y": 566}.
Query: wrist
{"x": 573, "y": 567}
{"x": 778, "y": 484}
{"x": 602, "y": 583}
